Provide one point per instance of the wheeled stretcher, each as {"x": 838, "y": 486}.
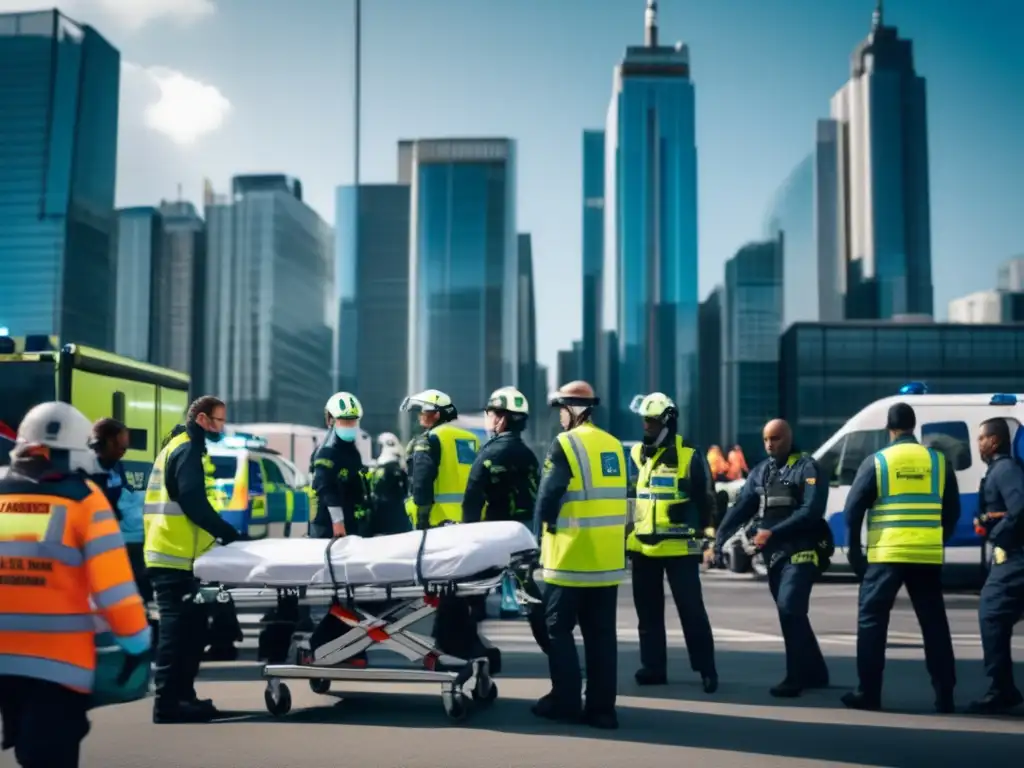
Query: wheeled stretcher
{"x": 377, "y": 589}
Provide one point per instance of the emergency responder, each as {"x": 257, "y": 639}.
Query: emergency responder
{"x": 389, "y": 487}
{"x": 503, "y": 480}
{"x": 785, "y": 496}
{"x": 738, "y": 469}
{"x": 581, "y": 511}
{"x": 719, "y": 466}
{"x": 439, "y": 462}
{"x": 110, "y": 442}
{"x": 672, "y": 509}
{"x": 910, "y": 497}
{"x": 181, "y": 524}
{"x": 58, "y": 525}
{"x": 339, "y": 476}
{"x": 1002, "y": 597}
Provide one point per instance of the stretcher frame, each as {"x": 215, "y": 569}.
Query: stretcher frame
{"x": 343, "y": 658}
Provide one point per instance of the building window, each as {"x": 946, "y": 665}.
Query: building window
{"x": 952, "y": 438}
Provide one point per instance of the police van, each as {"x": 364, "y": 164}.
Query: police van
{"x": 948, "y": 423}
{"x": 262, "y": 493}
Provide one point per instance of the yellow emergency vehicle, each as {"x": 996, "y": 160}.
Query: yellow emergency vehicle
{"x": 148, "y": 399}
{"x": 263, "y": 493}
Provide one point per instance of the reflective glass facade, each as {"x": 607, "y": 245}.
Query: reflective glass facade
{"x": 790, "y": 221}
{"x": 463, "y": 324}
{"x": 829, "y": 222}
{"x": 752, "y": 320}
{"x": 140, "y": 243}
{"x": 593, "y": 249}
{"x": 650, "y": 274}
{"x": 180, "y": 293}
{"x": 271, "y": 309}
{"x": 58, "y": 145}
{"x": 885, "y": 194}
{"x": 372, "y": 284}
{"x": 527, "y": 325}
{"x": 709, "y": 417}
{"x": 828, "y": 372}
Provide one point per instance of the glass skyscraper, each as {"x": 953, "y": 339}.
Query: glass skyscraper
{"x": 463, "y": 277}
{"x": 593, "y": 250}
{"x": 751, "y": 324}
{"x": 270, "y": 302}
{"x": 372, "y": 289}
{"x": 709, "y": 417}
{"x": 140, "y": 248}
{"x": 885, "y": 207}
{"x": 790, "y": 222}
{"x": 650, "y": 273}
{"x": 527, "y": 314}
{"x": 59, "y": 84}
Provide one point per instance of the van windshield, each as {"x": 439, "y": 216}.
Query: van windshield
{"x": 23, "y": 384}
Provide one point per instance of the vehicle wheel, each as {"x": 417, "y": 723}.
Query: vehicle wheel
{"x": 739, "y": 561}
{"x": 319, "y": 685}
{"x": 484, "y": 695}
{"x": 280, "y": 706}
{"x": 457, "y": 709}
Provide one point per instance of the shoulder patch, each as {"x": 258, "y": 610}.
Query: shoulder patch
{"x": 610, "y": 464}
{"x": 812, "y": 480}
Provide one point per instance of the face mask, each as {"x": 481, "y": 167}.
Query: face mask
{"x": 348, "y": 434}
{"x": 214, "y": 437}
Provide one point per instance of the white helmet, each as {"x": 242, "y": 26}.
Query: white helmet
{"x": 508, "y": 399}
{"x": 428, "y": 400}
{"x": 344, "y": 405}
{"x": 391, "y": 448}
{"x": 60, "y": 427}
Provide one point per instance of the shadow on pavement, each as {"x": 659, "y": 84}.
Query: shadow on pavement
{"x": 799, "y": 728}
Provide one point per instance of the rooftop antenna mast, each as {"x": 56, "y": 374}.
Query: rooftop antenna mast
{"x": 651, "y": 24}
{"x": 877, "y": 20}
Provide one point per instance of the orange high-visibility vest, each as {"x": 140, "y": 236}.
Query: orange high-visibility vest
{"x": 60, "y": 545}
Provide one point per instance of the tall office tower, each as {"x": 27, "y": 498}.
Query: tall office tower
{"x": 271, "y": 310}
{"x": 751, "y": 324}
{"x": 372, "y": 297}
{"x": 884, "y": 198}
{"x": 650, "y": 273}
{"x": 140, "y": 252}
{"x": 593, "y": 249}
{"x": 829, "y": 222}
{"x": 790, "y": 221}
{"x": 709, "y": 417}
{"x": 527, "y": 315}
{"x": 59, "y": 86}
{"x": 180, "y": 293}
{"x": 463, "y": 268}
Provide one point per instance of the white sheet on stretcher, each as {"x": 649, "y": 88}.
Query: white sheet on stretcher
{"x": 453, "y": 552}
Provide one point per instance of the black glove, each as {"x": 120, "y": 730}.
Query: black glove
{"x": 551, "y": 528}
{"x": 229, "y": 535}
{"x": 131, "y": 663}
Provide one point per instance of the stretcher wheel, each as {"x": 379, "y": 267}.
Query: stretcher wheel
{"x": 280, "y": 706}
{"x": 457, "y": 709}
{"x": 485, "y": 694}
{"x": 319, "y": 685}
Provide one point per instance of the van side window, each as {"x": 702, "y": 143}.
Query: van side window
{"x": 255, "y": 478}
{"x": 273, "y": 471}
{"x": 951, "y": 438}
{"x": 829, "y": 461}
{"x": 859, "y": 445}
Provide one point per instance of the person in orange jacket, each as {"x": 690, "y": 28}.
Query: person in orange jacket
{"x": 738, "y": 468}
{"x": 61, "y": 552}
{"x": 719, "y": 466}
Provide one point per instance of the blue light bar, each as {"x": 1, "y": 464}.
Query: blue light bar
{"x": 1003, "y": 400}
{"x": 914, "y": 388}
{"x": 243, "y": 441}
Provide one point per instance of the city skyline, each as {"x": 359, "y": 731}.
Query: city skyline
{"x": 548, "y": 258}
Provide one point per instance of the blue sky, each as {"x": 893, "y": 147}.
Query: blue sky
{"x": 217, "y": 87}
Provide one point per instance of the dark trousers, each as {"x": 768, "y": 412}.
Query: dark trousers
{"x": 878, "y": 590}
{"x": 683, "y": 573}
{"x": 44, "y": 722}
{"x": 594, "y": 609}
{"x": 790, "y": 585}
{"x": 181, "y": 637}
{"x": 1001, "y": 606}
{"x": 137, "y": 559}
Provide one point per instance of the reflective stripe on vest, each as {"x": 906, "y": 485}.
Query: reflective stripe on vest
{"x": 905, "y": 524}
{"x": 586, "y": 549}
{"x": 654, "y": 494}
{"x": 172, "y": 540}
{"x": 459, "y": 448}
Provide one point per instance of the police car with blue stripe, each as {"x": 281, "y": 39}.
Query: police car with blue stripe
{"x": 948, "y": 423}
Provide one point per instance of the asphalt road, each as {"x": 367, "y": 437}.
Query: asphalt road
{"x": 404, "y": 726}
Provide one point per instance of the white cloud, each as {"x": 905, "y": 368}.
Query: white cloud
{"x": 130, "y": 15}
{"x": 176, "y": 105}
